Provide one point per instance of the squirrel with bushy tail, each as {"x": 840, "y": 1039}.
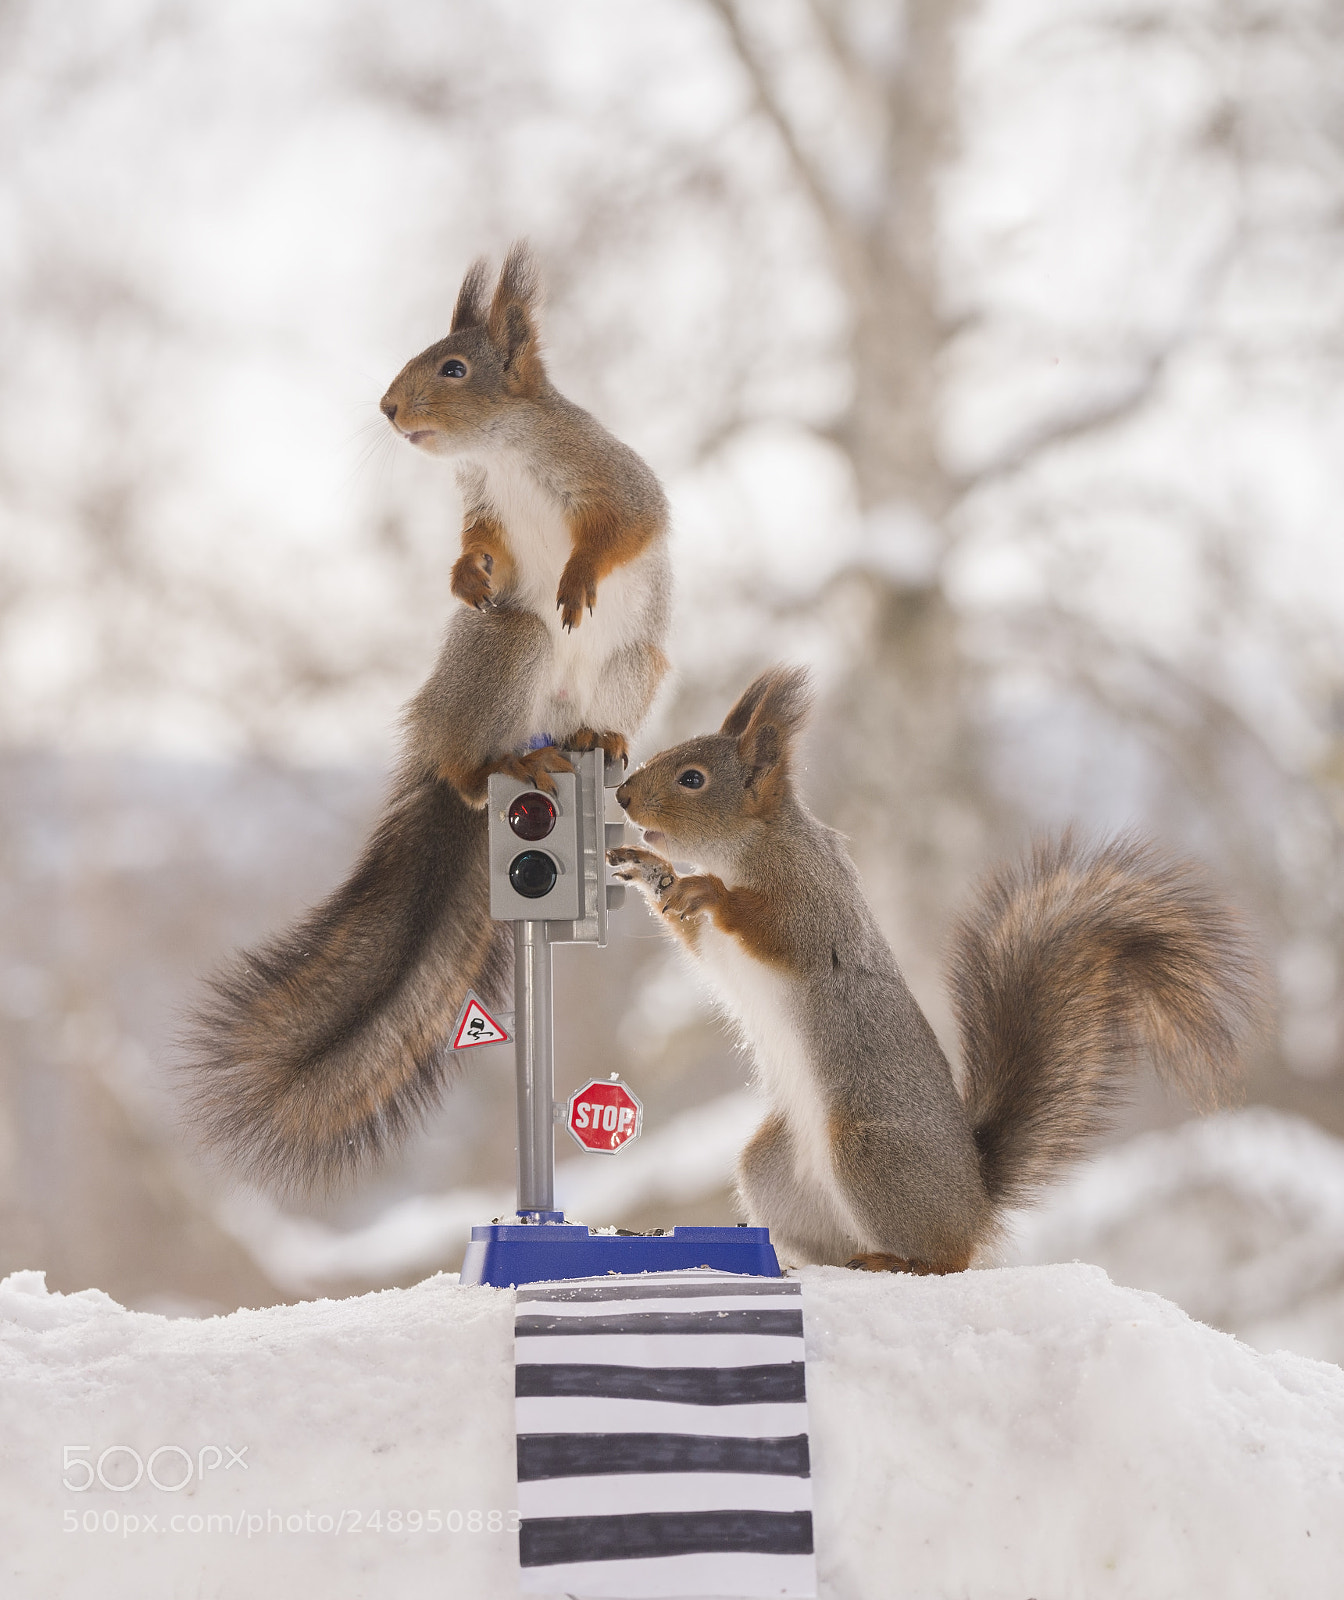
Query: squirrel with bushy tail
{"x": 320, "y": 1049}
{"x": 1066, "y": 971}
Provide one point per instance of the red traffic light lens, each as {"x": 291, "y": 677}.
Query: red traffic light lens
{"x": 532, "y": 816}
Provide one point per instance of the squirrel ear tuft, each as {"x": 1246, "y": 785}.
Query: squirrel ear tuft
{"x": 519, "y": 278}
{"x": 511, "y": 324}
{"x": 766, "y": 719}
{"x": 469, "y": 312}
{"x": 786, "y": 690}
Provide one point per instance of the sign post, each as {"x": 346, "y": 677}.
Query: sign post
{"x": 534, "y": 1064}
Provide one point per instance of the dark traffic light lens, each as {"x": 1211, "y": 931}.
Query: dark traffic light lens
{"x": 533, "y": 873}
{"x": 532, "y": 816}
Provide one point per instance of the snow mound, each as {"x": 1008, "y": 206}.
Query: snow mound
{"x": 1025, "y": 1431}
{"x": 1239, "y": 1218}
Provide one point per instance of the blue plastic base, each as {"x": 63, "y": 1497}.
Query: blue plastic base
{"x": 505, "y": 1254}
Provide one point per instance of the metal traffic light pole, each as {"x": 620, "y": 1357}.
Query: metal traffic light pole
{"x": 534, "y": 1064}
{"x": 546, "y": 853}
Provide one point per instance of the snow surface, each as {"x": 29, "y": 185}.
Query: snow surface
{"x": 1029, "y": 1431}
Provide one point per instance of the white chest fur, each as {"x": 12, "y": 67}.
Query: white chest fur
{"x": 762, "y": 1003}
{"x": 541, "y": 543}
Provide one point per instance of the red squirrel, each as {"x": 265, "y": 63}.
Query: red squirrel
{"x": 1065, "y": 970}
{"x": 319, "y": 1049}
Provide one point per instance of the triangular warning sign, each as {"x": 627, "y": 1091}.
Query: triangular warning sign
{"x": 475, "y": 1026}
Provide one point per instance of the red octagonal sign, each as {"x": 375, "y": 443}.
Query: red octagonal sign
{"x": 604, "y": 1115}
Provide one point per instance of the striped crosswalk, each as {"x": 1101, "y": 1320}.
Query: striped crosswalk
{"x": 662, "y": 1437}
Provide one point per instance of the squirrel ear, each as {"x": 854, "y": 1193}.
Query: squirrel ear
{"x": 469, "y": 312}
{"x": 765, "y": 721}
{"x": 786, "y": 690}
{"x": 735, "y": 723}
{"x": 510, "y": 323}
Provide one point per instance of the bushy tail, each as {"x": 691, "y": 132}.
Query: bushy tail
{"x": 322, "y": 1048}
{"x": 1070, "y": 969}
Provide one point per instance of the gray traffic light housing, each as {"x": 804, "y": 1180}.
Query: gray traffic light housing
{"x": 536, "y": 876}
{"x": 575, "y": 907}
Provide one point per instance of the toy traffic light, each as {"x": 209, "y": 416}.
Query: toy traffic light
{"x": 548, "y": 851}
{"x": 536, "y": 851}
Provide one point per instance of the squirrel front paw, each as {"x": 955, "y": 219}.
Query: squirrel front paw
{"x": 690, "y": 898}
{"x": 471, "y": 578}
{"x": 577, "y": 590}
{"x": 649, "y": 873}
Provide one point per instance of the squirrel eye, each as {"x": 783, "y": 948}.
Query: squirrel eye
{"x": 692, "y": 779}
{"x": 453, "y": 369}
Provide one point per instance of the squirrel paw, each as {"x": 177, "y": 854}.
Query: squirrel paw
{"x": 875, "y": 1261}
{"x": 649, "y": 873}
{"x": 578, "y": 588}
{"x": 614, "y": 744}
{"x": 536, "y": 766}
{"x": 693, "y": 897}
{"x": 471, "y": 578}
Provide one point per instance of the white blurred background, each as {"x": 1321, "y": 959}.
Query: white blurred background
{"x": 991, "y": 354}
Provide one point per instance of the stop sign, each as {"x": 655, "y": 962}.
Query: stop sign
{"x": 604, "y": 1115}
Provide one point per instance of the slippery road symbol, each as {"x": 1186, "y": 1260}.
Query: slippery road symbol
{"x": 475, "y": 1026}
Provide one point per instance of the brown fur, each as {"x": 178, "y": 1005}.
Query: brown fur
{"x": 1066, "y": 972}
{"x": 743, "y": 913}
{"x": 319, "y": 1050}
{"x": 615, "y": 746}
{"x": 1071, "y": 968}
{"x": 605, "y": 537}
{"x": 747, "y": 765}
{"x": 611, "y": 503}
{"x": 324, "y": 1046}
{"x": 875, "y": 1261}
{"x": 486, "y": 564}
{"x": 528, "y": 766}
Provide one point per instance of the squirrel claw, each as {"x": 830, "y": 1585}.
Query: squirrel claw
{"x": 471, "y": 581}
{"x": 536, "y": 766}
{"x": 877, "y": 1261}
{"x": 577, "y": 590}
{"x": 649, "y": 873}
{"x": 692, "y": 897}
{"x": 613, "y": 745}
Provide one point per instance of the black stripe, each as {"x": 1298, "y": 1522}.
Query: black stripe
{"x": 767, "y": 1322}
{"x": 668, "y": 1291}
{"x": 687, "y": 1386}
{"x": 547, "y": 1541}
{"x": 605, "y": 1455}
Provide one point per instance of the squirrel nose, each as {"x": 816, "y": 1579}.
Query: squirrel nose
{"x": 623, "y": 797}
{"x": 388, "y": 408}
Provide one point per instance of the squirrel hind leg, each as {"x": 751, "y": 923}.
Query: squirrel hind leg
{"x": 876, "y": 1261}
{"x": 532, "y": 766}
{"x": 536, "y": 766}
{"x": 614, "y": 745}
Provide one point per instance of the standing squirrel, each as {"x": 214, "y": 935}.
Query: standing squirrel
{"x": 319, "y": 1049}
{"x": 1066, "y": 970}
